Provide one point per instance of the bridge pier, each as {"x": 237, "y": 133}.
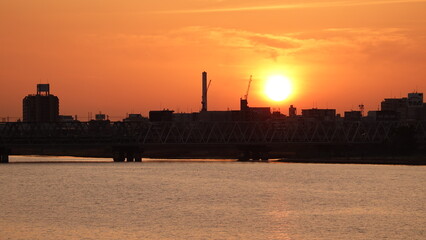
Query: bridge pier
{"x": 134, "y": 156}
{"x": 253, "y": 156}
{"x": 128, "y": 154}
{"x": 4, "y": 158}
{"x": 118, "y": 157}
{"x": 4, "y": 155}
{"x": 138, "y": 157}
{"x": 254, "y": 153}
{"x": 130, "y": 157}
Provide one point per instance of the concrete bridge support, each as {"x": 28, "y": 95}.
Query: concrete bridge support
{"x": 134, "y": 156}
{"x": 4, "y": 155}
{"x": 254, "y": 153}
{"x": 129, "y": 154}
{"x": 4, "y": 158}
{"x": 137, "y": 156}
{"x": 118, "y": 156}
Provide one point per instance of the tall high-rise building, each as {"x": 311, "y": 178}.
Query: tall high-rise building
{"x": 41, "y": 107}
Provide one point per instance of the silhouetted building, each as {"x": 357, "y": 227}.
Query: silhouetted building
{"x": 384, "y": 115}
{"x": 415, "y": 100}
{"x": 134, "y": 118}
{"x": 416, "y": 108}
{"x": 41, "y": 107}
{"x": 244, "y": 105}
{"x": 100, "y": 117}
{"x": 398, "y": 105}
{"x": 247, "y": 113}
{"x": 186, "y": 117}
{"x": 66, "y": 118}
{"x": 353, "y": 116}
{"x": 277, "y": 115}
{"x": 292, "y": 111}
{"x": 161, "y": 116}
{"x": 260, "y": 113}
{"x": 411, "y": 107}
{"x": 319, "y": 114}
{"x": 216, "y": 116}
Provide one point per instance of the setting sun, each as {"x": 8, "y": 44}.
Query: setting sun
{"x": 277, "y": 88}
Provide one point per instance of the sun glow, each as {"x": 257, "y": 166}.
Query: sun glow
{"x": 278, "y": 88}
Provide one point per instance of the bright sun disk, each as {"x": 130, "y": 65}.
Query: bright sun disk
{"x": 277, "y": 88}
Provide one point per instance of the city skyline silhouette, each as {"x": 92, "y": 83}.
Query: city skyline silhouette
{"x": 136, "y": 56}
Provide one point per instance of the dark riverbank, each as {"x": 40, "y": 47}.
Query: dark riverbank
{"x": 296, "y": 153}
{"x": 410, "y": 160}
{"x": 384, "y": 160}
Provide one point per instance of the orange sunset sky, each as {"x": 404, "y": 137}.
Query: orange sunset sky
{"x": 132, "y": 56}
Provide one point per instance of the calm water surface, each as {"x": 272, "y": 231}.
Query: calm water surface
{"x": 209, "y": 200}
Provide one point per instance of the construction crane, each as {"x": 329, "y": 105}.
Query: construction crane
{"x": 208, "y": 85}
{"x": 248, "y": 88}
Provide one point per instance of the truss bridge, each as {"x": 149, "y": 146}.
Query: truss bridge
{"x": 244, "y": 140}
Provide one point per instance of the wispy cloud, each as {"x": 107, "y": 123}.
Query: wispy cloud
{"x": 386, "y": 44}
{"x": 295, "y": 6}
{"x": 338, "y": 45}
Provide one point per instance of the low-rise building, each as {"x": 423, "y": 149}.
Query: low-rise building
{"x": 319, "y": 114}
{"x": 353, "y": 116}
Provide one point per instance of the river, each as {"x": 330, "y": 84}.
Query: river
{"x": 81, "y": 198}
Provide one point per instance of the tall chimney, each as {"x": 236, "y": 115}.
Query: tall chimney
{"x": 204, "y": 96}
